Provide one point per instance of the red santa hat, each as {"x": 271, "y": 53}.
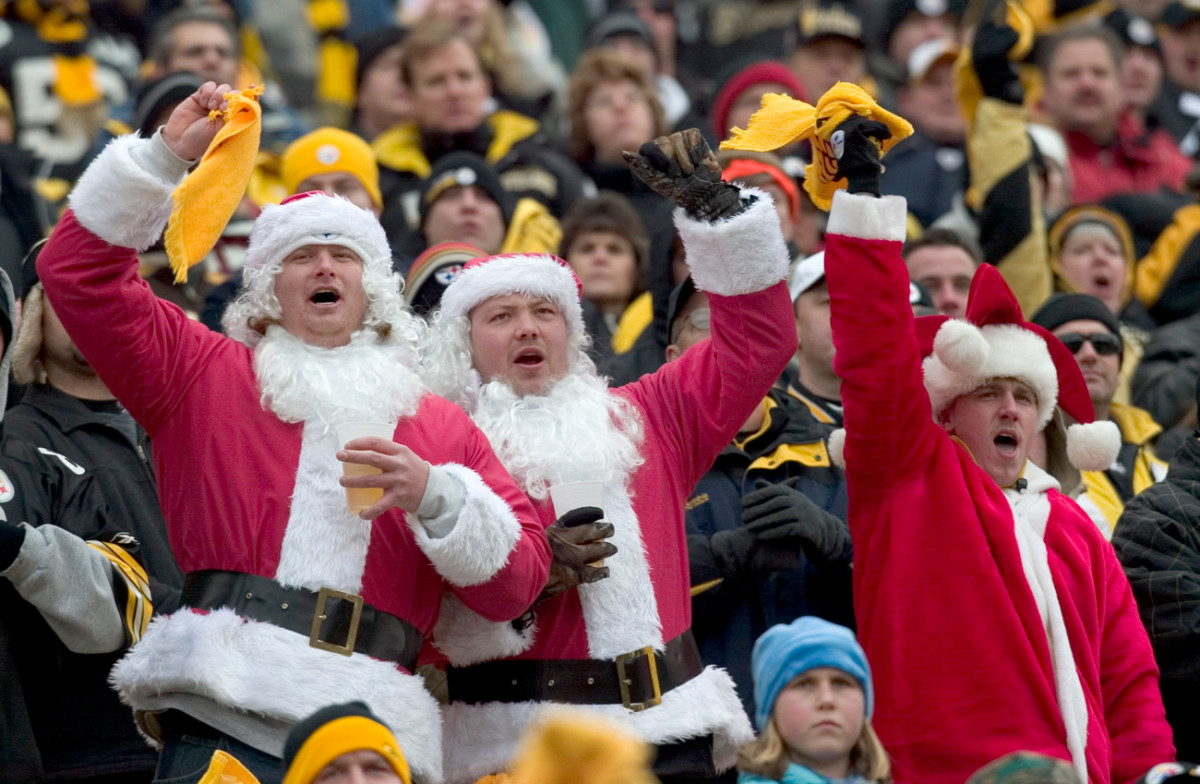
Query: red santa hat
{"x": 994, "y": 341}
{"x": 531, "y": 274}
{"x": 316, "y": 218}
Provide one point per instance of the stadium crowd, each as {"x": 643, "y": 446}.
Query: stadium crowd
{"x": 599, "y": 390}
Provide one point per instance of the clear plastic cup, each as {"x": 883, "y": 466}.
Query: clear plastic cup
{"x": 359, "y": 499}
{"x": 566, "y": 496}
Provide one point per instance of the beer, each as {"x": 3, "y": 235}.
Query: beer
{"x": 359, "y": 499}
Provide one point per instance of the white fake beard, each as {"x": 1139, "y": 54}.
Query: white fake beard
{"x": 361, "y": 381}
{"x": 578, "y": 431}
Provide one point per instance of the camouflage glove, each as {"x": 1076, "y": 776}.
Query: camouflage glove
{"x": 683, "y": 168}
{"x": 576, "y": 542}
{"x": 856, "y": 146}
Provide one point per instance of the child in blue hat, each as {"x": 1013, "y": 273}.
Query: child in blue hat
{"x": 813, "y": 697}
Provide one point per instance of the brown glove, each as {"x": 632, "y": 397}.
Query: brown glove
{"x": 576, "y": 542}
{"x": 683, "y": 168}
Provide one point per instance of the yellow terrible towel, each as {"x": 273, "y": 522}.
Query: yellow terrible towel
{"x": 206, "y": 199}
{"x": 783, "y": 120}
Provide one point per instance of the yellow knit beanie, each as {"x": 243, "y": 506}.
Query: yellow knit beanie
{"x": 328, "y": 150}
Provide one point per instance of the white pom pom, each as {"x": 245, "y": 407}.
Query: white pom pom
{"x": 837, "y": 447}
{"x": 962, "y": 348}
{"x": 1093, "y": 447}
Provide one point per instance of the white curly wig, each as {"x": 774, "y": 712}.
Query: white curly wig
{"x": 318, "y": 219}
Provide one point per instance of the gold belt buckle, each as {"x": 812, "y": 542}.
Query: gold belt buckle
{"x": 623, "y": 682}
{"x": 314, "y": 637}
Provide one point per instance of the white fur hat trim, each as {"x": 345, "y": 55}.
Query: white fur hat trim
{"x": 531, "y": 274}
{"x": 317, "y": 219}
{"x": 965, "y": 357}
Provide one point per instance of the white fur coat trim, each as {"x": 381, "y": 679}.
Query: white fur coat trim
{"x": 739, "y": 255}
{"x": 1031, "y": 513}
{"x": 119, "y": 201}
{"x": 481, "y": 739}
{"x": 261, "y": 668}
{"x": 621, "y": 611}
{"x": 324, "y": 544}
{"x": 868, "y": 217}
{"x": 465, "y": 637}
{"x": 482, "y": 539}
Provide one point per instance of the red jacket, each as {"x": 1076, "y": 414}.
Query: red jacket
{"x": 1136, "y": 161}
{"x": 960, "y": 658}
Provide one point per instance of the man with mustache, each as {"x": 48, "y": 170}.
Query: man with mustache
{"x": 1111, "y": 151}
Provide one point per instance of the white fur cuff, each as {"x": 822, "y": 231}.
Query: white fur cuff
{"x": 482, "y": 539}
{"x": 467, "y": 638}
{"x": 739, "y": 255}
{"x": 867, "y": 217}
{"x": 119, "y": 201}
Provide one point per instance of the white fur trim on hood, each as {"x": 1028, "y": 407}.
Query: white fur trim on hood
{"x": 119, "y": 201}
{"x": 965, "y": 357}
{"x": 738, "y": 255}
{"x": 531, "y": 274}
{"x": 481, "y": 540}
{"x": 837, "y": 447}
{"x": 317, "y": 219}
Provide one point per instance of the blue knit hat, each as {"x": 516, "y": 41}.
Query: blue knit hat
{"x": 785, "y": 651}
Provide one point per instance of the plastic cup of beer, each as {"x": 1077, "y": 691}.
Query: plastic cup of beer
{"x": 359, "y": 499}
{"x": 566, "y": 496}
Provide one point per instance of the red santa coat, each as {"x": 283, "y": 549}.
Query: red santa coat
{"x": 960, "y": 658}
{"x": 239, "y": 487}
{"x": 690, "y": 409}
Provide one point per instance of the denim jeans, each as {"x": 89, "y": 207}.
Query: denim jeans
{"x": 188, "y": 747}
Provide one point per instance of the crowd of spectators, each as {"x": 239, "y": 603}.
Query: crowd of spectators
{"x": 1058, "y": 144}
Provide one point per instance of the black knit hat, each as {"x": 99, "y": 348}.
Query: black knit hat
{"x": 155, "y": 96}
{"x": 1061, "y": 308}
{"x": 679, "y": 298}
{"x": 622, "y": 22}
{"x": 370, "y": 45}
{"x": 464, "y": 169}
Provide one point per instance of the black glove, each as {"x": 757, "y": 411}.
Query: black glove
{"x": 740, "y": 552}
{"x": 989, "y": 56}
{"x": 11, "y": 539}
{"x": 576, "y": 542}
{"x": 683, "y": 168}
{"x": 781, "y": 513}
{"x": 857, "y": 146}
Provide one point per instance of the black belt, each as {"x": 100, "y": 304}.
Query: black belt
{"x": 636, "y": 680}
{"x": 320, "y": 615}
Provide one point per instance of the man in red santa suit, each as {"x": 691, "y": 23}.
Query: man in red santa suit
{"x": 509, "y": 346}
{"x": 291, "y": 602}
{"x": 995, "y": 616}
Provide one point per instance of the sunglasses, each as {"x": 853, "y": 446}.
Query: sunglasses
{"x": 1106, "y": 344}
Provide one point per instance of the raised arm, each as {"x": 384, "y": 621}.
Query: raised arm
{"x": 146, "y": 351}
{"x": 736, "y": 255}
{"x": 888, "y": 416}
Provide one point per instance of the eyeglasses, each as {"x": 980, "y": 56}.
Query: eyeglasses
{"x": 1106, "y": 344}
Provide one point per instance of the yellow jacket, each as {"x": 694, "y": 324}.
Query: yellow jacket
{"x": 1100, "y": 498}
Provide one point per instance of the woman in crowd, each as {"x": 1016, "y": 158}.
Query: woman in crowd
{"x": 813, "y": 697}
